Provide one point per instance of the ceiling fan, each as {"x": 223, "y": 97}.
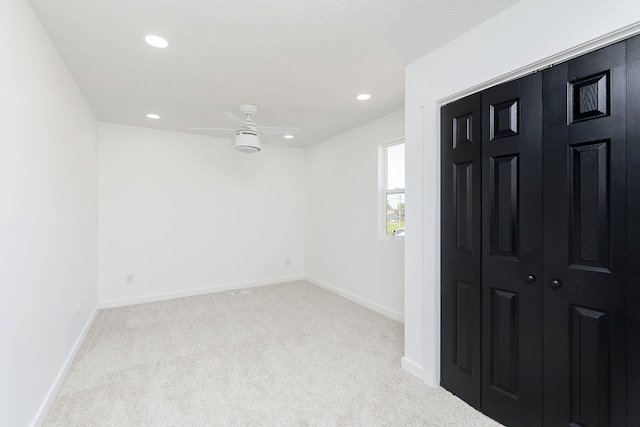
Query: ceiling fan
{"x": 249, "y": 134}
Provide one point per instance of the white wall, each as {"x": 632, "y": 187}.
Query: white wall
{"x": 48, "y": 216}
{"x": 525, "y": 37}
{"x": 189, "y": 214}
{"x": 343, "y": 251}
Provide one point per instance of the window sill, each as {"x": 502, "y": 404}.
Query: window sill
{"x": 391, "y": 238}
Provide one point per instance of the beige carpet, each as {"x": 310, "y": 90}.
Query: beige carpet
{"x": 291, "y": 354}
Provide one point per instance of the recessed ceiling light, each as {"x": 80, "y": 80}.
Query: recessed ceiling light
{"x": 288, "y": 136}
{"x": 153, "y": 116}
{"x": 363, "y": 97}
{"x": 156, "y": 41}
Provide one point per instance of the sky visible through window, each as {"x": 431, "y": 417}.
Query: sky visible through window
{"x": 395, "y": 170}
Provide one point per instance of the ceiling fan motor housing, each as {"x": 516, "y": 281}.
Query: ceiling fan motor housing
{"x": 247, "y": 141}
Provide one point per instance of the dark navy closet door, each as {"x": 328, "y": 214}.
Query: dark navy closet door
{"x": 512, "y": 176}
{"x": 461, "y": 251}
{"x": 584, "y": 222}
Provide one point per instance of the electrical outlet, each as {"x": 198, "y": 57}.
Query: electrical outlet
{"x": 131, "y": 278}
{"x": 287, "y": 261}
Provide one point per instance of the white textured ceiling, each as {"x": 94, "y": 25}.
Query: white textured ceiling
{"x": 302, "y": 62}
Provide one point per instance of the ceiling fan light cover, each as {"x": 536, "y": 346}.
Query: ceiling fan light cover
{"x": 247, "y": 142}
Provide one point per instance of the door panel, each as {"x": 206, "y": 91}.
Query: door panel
{"x": 584, "y": 378}
{"x": 463, "y": 206}
{"x": 590, "y": 364}
{"x": 460, "y": 358}
{"x": 512, "y": 252}
{"x": 463, "y": 351}
{"x": 589, "y": 225}
{"x": 505, "y": 206}
{"x": 505, "y": 338}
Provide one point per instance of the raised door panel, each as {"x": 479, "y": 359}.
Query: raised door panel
{"x": 463, "y": 328}
{"x": 463, "y": 206}
{"x": 589, "y": 226}
{"x": 584, "y": 350}
{"x": 505, "y": 227}
{"x": 590, "y": 358}
{"x": 505, "y": 339}
{"x": 460, "y": 287}
{"x": 512, "y": 252}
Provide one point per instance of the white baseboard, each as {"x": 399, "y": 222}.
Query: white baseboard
{"x": 198, "y": 291}
{"x": 412, "y": 368}
{"x": 55, "y": 387}
{"x": 358, "y": 300}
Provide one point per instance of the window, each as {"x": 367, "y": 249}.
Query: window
{"x": 392, "y": 185}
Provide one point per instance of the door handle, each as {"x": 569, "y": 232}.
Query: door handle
{"x": 530, "y": 278}
{"x": 555, "y": 284}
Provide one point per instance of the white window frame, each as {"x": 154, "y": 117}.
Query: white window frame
{"x": 383, "y": 191}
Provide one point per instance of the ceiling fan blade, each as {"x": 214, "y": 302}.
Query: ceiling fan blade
{"x": 279, "y": 131}
{"x": 271, "y": 140}
{"x": 225, "y": 129}
{"x": 235, "y": 119}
